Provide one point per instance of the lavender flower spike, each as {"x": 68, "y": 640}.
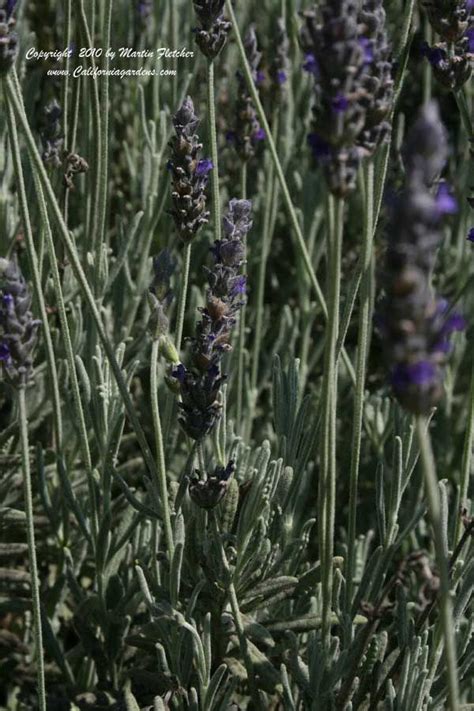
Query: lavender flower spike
{"x": 247, "y": 132}
{"x": 199, "y": 384}
{"x": 212, "y": 35}
{"x": 8, "y": 38}
{"x": 188, "y": 176}
{"x": 416, "y": 324}
{"x": 18, "y": 328}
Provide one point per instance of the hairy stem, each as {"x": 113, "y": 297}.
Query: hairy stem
{"x": 327, "y": 492}
{"x": 30, "y": 531}
{"x": 445, "y": 602}
{"x": 160, "y": 450}
{"x": 361, "y": 362}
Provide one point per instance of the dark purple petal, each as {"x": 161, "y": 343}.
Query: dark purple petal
{"x": 260, "y": 77}
{"x": 446, "y": 203}
{"x": 282, "y": 77}
{"x": 340, "y": 104}
{"x": 367, "y": 46}
{"x": 320, "y": 148}
{"x": 4, "y": 352}
{"x": 470, "y": 235}
{"x": 310, "y": 64}
{"x": 421, "y": 373}
{"x": 204, "y": 166}
{"x": 470, "y": 39}
{"x": 259, "y": 135}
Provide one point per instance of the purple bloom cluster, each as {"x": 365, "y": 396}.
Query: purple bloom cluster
{"x": 18, "y": 328}
{"x": 349, "y": 57}
{"x": 160, "y": 294}
{"x": 211, "y": 36}
{"x": 144, "y": 10}
{"x": 209, "y": 492}
{"x": 189, "y": 174}
{"x": 417, "y": 325}
{"x": 8, "y": 38}
{"x": 51, "y": 135}
{"x": 280, "y": 66}
{"x": 247, "y": 132}
{"x": 199, "y": 384}
{"x": 451, "y": 58}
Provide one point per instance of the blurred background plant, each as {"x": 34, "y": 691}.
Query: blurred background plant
{"x": 249, "y": 440}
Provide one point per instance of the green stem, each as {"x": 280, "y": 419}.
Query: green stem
{"x": 160, "y": 450}
{"x": 434, "y": 509}
{"x": 281, "y": 178}
{"x": 362, "y": 350}
{"x": 211, "y": 112}
{"x": 30, "y": 531}
{"x": 97, "y": 121}
{"x": 79, "y": 274}
{"x": 173, "y": 10}
{"x": 464, "y": 112}
{"x": 183, "y": 294}
{"x": 33, "y": 260}
{"x": 241, "y": 345}
{"x": 466, "y": 461}
{"x": 327, "y": 493}
{"x": 104, "y": 146}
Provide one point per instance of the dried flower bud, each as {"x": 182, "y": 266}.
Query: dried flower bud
{"x": 201, "y": 382}
{"x": 18, "y": 328}
{"x": 51, "y": 135}
{"x": 212, "y": 35}
{"x": 208, "y": 493}
{"x": 160, "y": 295}
{"x": 189, "y": 174}
{"x": 247, "y": 133}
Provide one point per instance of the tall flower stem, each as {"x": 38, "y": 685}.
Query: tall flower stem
{"x": 300, "y": 241}
{"x": 434, "y": 509}
{"x": 362, "y": 348}
{"x": 159, "y": 449}
{"x": 242, "y": 320}
{"x": 211, "y": 113}
{"x": 30, "y": 531}
{"x": 327, "y": 490}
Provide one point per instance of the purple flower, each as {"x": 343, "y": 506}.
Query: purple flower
{"x": 10, "y": 6}
{"x": 368, "y": 49}
{"x": 259, "y": 77}
{"x": 470, "y": 235}
{"x": 320, "y": 148}
{"x": 421, "y": 373}
{"x": 446, "y": 203}
{"x": 470, "y": 39}
{"x": 434, "y": 55}
{"x": 204, "y": 166}
{"x": 469, "y": 4}
{"x": 282, "y": 77}
{"x": 239, "y": 286}
{"x": 230, "y": 136}
{"x": 340, "y": 104}
{"x": 259, "y": 135}
{"x": 4, "y": 352}
{"x": 310, "y": 64}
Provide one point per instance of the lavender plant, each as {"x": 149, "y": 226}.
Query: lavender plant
{"x": 245, "y": 433}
